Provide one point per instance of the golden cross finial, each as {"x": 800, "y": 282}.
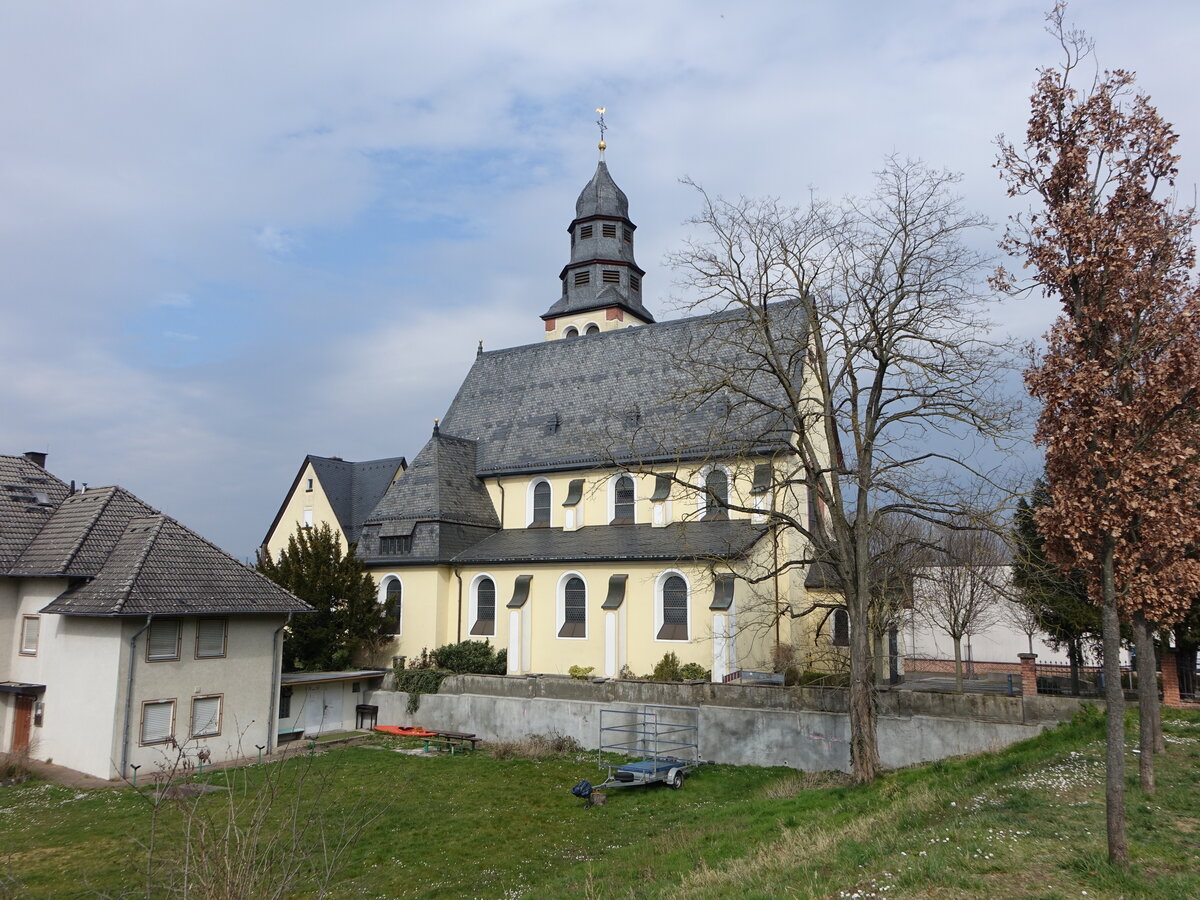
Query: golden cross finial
{"x": 603, "y": 128}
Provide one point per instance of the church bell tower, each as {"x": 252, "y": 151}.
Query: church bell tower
{"x": 602, "y": 284}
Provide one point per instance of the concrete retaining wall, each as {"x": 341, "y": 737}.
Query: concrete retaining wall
{"x": 741, "y": 725}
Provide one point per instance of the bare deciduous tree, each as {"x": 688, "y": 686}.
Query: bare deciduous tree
{"x": 864, "y": 340}
{"x": 963, "y": 594}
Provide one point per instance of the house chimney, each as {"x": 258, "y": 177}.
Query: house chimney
{"x": 35, "y": 457}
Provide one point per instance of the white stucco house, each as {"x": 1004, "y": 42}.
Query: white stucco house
{"x": 124, "y": 635}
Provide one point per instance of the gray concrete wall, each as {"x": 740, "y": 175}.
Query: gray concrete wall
{"x": 739, "y": 725}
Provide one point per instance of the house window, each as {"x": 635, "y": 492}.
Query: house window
{"x": 571, "y": 332}
{"x": 574, "y": 608}
{"x": 210, "y": 638}
{"x": 285, "y": 701}
{"x": 163, "y": 643}
{"x": 673, "y": 600}
{"x": 308, "y": 518}
{"x": 158, "y": 721}
{"x": 308, "y": 485}
{"x": 635, "y": 283}
{"x": 608, "y": 229}
{"x": 206, "y": 716}
{"x": 582, "y": 278}
{"x": 623, "y": 501}
{"x": 31, "y": 629}
{"x": 395, "y": 545}
{"x": 393, "y": 603}
{"x": 841, "y": 628}
{"x": 585, "y": 232}
{"x": 611, "y": 276}
{"x": 540, "y": 505}
{"x": 484, "y": 604}
{"x": 592, "y": 329}
{"x": 716, "y": 494}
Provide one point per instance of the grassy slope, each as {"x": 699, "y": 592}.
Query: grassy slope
{"x": 1027, "y": 822}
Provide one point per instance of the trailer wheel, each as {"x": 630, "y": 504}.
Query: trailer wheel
{"x": 675, "y": 779}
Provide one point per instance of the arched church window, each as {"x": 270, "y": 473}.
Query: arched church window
{"x": 571, "y": 332}
{"x": 541, "y": 505}
{"x": 623, "y": 501}
{"x": 841, "y": 628}
{"x": 592, "y": 329}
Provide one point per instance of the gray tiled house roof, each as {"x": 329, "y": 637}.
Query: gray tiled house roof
{"x": 352, "y": 488}
{"x": 158, "y": 566}
{"x": 28, "y": 497}
{"x": 123, "y": 557}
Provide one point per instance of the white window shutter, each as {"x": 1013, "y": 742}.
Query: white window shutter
{"x": 30, "y": 634}
{"x": 156, "y": 721}
{"x": 164, "y": 639}
{"x": 206, "y": 715}
{"x": 210, "y": 638}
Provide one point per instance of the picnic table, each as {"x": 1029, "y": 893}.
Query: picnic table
{"x": 451, "y": 740}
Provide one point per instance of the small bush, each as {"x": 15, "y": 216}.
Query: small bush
{"x": 416, "y": 682}
{"x": 535, "y": 746}
{"x": 668, "y": 668}
{"x": 471, "y": 658}
{"x": 694, "y": 672}
{"x": 580, "y": 672}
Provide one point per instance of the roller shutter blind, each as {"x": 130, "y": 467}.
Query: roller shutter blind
{"x": 210, "y": 638}
{"x": 206, "y": 716}
{"x": 164, "y": 639}
{"x": 156, "y": 721}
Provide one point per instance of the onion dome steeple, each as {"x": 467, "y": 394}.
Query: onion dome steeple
{"x": 602, "y": 283}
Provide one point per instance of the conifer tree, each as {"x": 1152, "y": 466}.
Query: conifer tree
{"x": 349, "y": 621}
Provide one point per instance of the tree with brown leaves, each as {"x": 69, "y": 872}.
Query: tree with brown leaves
{"x": 1121, "y": 371}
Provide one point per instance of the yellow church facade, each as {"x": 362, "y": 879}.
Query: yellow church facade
{"x": 582, "y": 505}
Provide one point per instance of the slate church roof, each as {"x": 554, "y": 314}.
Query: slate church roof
{"x": 123, "y": 557}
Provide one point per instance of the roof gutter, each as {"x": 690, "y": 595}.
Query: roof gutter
{"x": 276, "y": 681}
{"x": 129, "y": 695}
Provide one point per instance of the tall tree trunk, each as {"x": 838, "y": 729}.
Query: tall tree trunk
{"x": 880, "y": 661}
{"x": 1114, "y": 794}
{"x": 958, "y": 668}
{"x": 864, "y": 746}
{"x": 1147, "y": 700}
{"x": 1075, "y": 658}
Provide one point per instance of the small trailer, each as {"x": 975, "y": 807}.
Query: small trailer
{"x": 666, "y": 738}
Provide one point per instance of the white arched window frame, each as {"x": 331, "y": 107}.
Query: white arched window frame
{"x": 839, "y": 628}
{"x": 571, "y": 332}
{"x": 533, "y": 508}
{"x": 391, "y": 598}
{"x": 613, "y": 484}
{"x": 702, "y": 492}
{"x": 561, "y": 629}
{"x": 591, "y": 328}
{"x": 660, "y": 600}
{"x": 474, "y": 624}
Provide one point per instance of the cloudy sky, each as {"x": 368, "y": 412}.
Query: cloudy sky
{"x": 235, "y": 233}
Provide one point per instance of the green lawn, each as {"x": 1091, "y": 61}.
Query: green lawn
{"x": 1027, "y": 822}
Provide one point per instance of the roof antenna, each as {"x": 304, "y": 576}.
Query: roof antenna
{"x": 436, "y": 430}
{"x": 479, "y": 352}
{"x": 603, "y": 128}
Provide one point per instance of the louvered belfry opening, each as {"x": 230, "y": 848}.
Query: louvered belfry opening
{"x": 674, "y": 610}
{"x": 716, "y": 500}
{"x": 574, "y": 609}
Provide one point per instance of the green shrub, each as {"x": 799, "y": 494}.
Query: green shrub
{"x": 471, "y": 658}
{"x": 416, "y": 682}
{"x": 694, "y": 672}
{"x": 667, "y": 669}
{"x": 580, "y": 672}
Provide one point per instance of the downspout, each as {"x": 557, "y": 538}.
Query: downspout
{"x": 458, "y": 624}
{"x": 276, "y": 681}
{"x": 129, "y": 695}
{"x": 500, "y": 484}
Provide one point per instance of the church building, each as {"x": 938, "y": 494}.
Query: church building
{"x": 584, "y": 502}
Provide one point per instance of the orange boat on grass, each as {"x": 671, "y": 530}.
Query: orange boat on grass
{"x": 405, "y": 731}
